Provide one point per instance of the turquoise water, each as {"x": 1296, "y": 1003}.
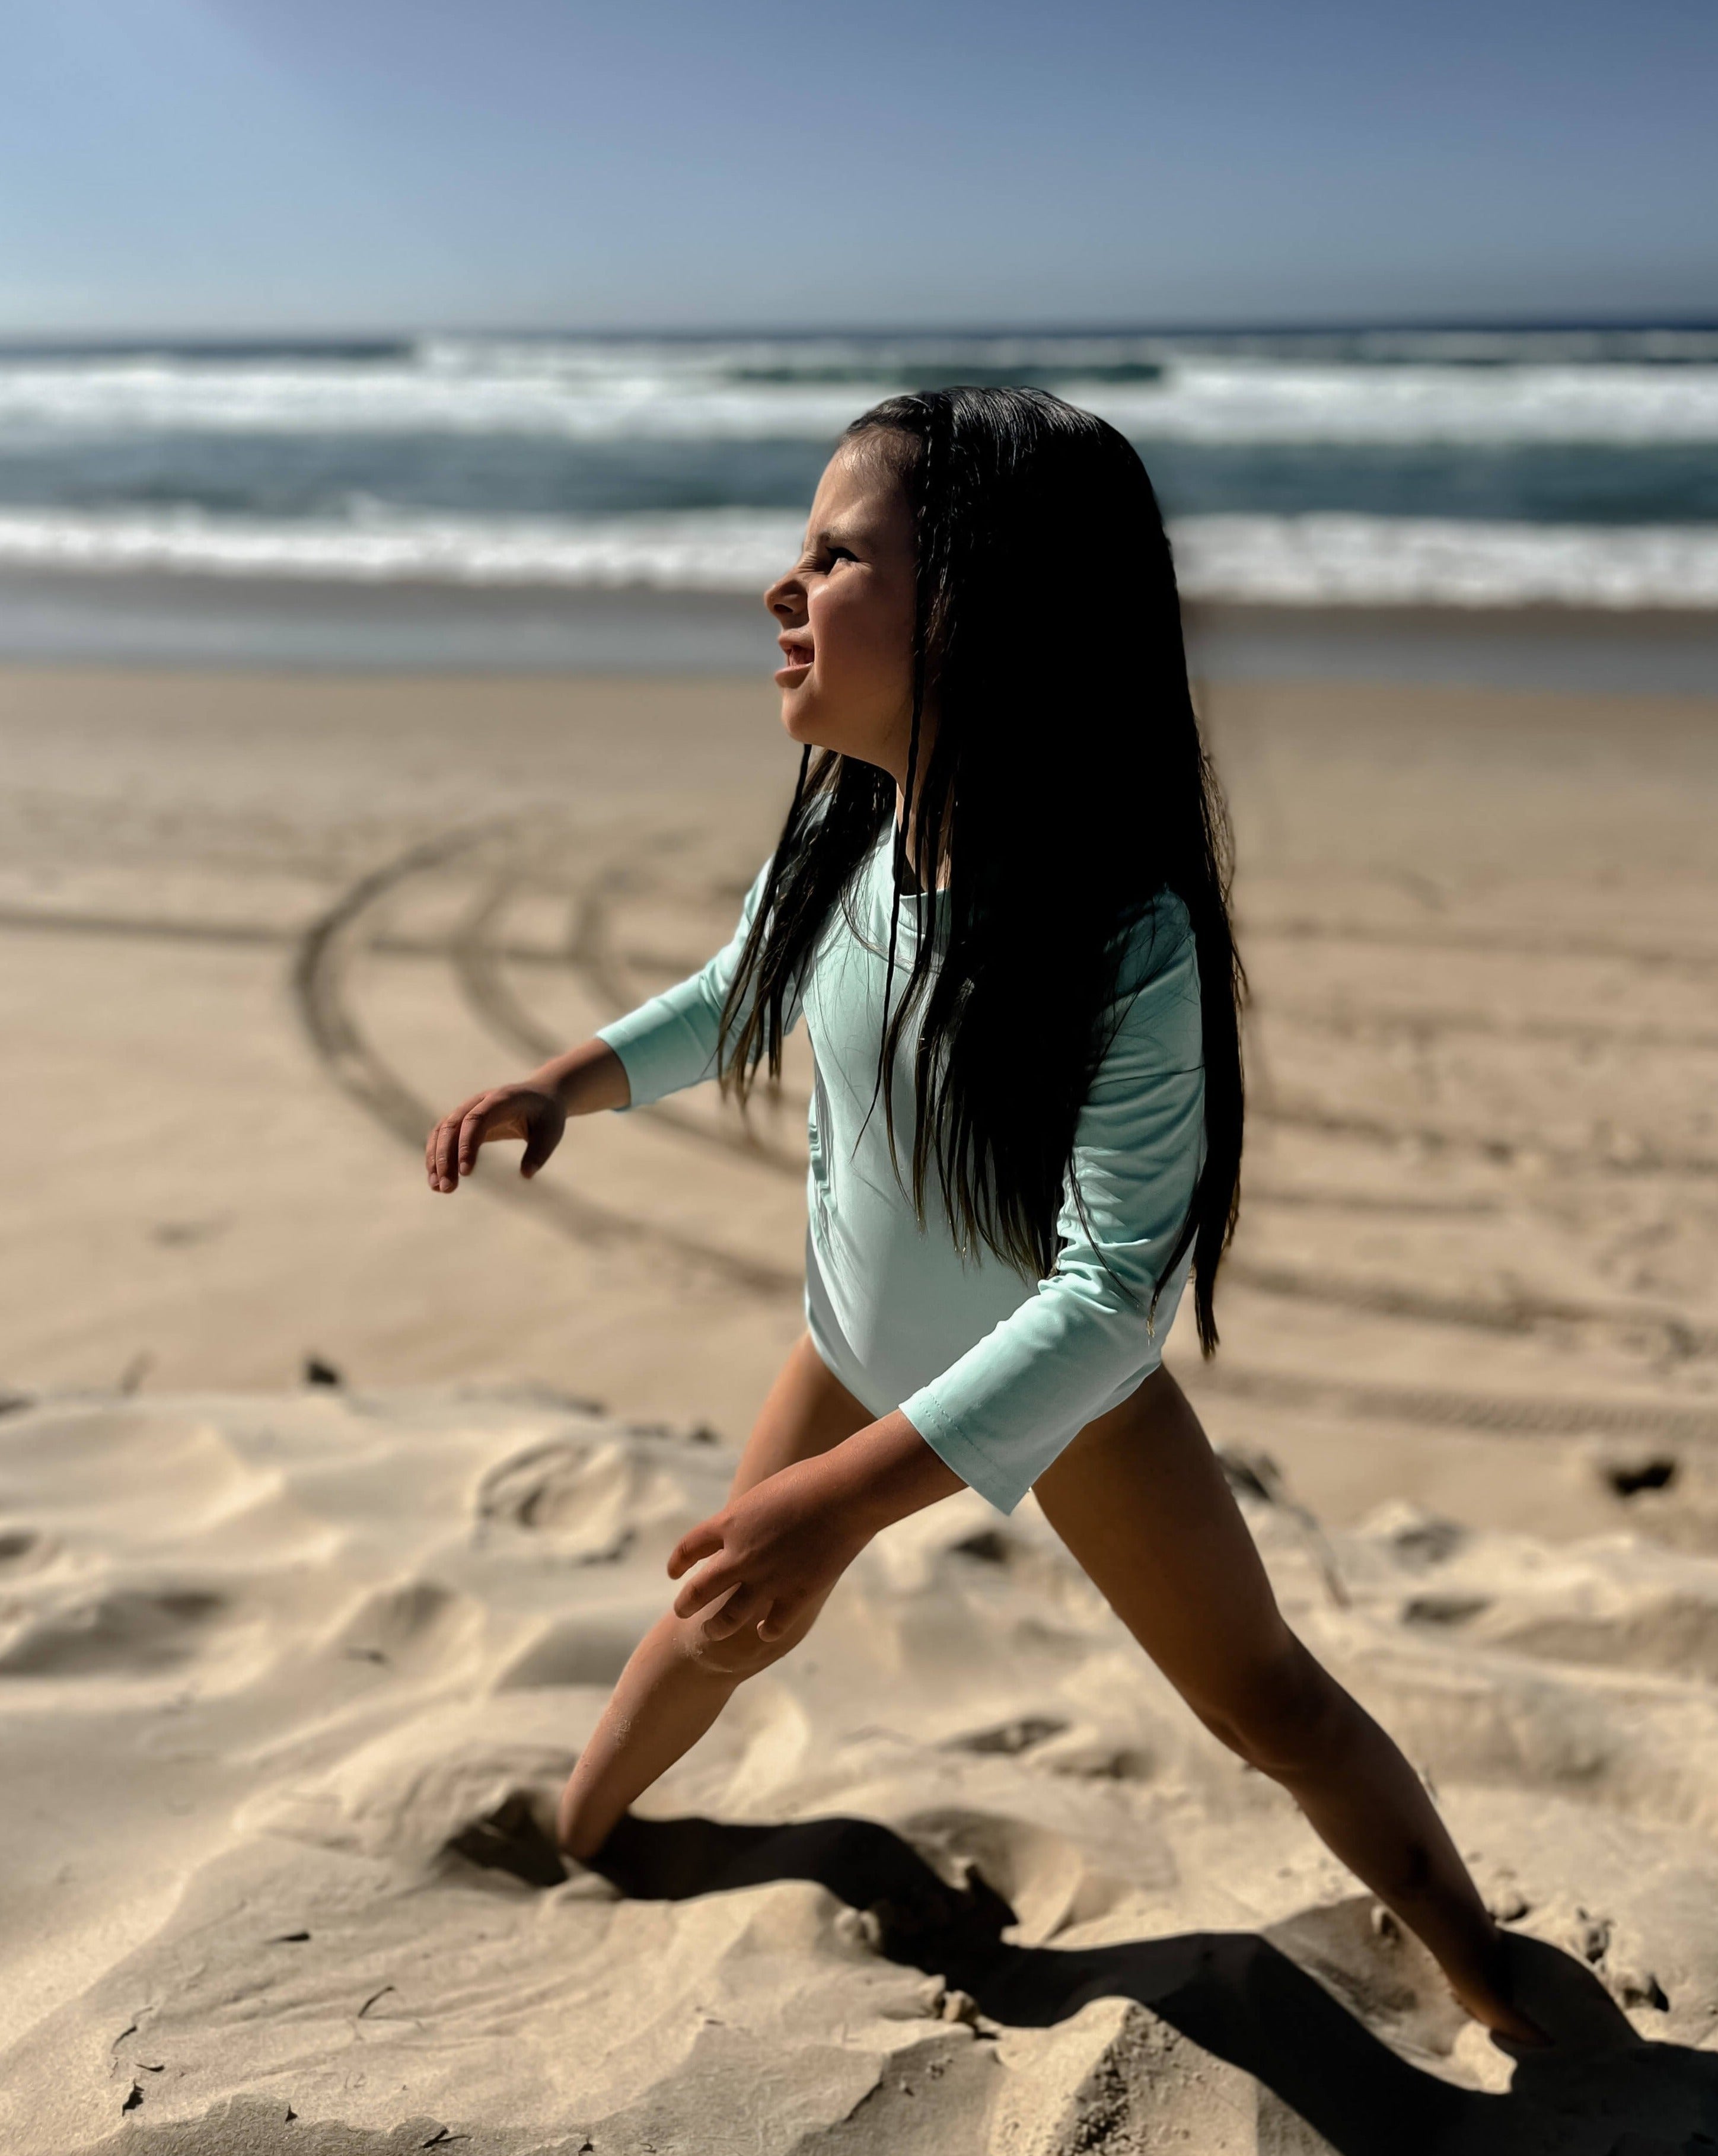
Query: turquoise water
{"x": 1473, "y": 469}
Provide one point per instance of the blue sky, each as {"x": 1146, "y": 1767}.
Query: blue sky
{"x": 327, "y": 165}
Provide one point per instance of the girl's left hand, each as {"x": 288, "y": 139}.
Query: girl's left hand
{"x": 778, "y": 1546}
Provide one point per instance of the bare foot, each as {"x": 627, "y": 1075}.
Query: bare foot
{"x": 1511, "y": 2029}
{"x": 1561, "y": 2002}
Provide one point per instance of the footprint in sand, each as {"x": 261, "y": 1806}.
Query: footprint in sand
{"x": 1566, "y": 1999}
{"x": 1046, "y": 1880}
{"x": 456, "y": 1777}
{"x": 24, "y": 1550}
{"x": 1009, "y": 1739}
{"x": 1667, "y": 1634}
{"x": 593, "y": 1500}
{"x": 1380, "y": 1972}
{"x": 125, "y": 1632}
{"x": 579, "y": 1649}
{"x": 415, "y": 1628}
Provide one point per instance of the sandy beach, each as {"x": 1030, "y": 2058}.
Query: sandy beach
{"x": 290, "y": 1672}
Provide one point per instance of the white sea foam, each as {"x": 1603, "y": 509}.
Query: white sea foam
{"x": 713, "y": 550}
{"x": 665, "y": 393}
{"x": 1423, "y": 561}
{"x": 1284, "y": 560}
{"x": 1267, "y": 401}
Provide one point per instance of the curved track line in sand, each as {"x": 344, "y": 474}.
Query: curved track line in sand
{"x": 1387, "y": 1022}
{"x": 1641, "y": 1159}
{"x": 318, "y": 973}
{"x": 1497, "y": 1415}
{"x": 1523, "y": 944}
{"x": 1519, "y": 1313}
{"x": 149, "y": 926}
{"x": 478, "y": 966}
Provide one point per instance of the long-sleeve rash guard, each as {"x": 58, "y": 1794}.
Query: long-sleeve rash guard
{"x": 996, "y": 1372}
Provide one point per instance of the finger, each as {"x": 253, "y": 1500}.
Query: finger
{"x": 439, "y": 1177}
{"x": 432, "y": 1147}
{"x": 704, "y": 1587}
{"x": 446, "y": 1138}
{"x": 780, "y": 1618}
{"x": 445, "y": 1152}
{"x": 702, "y": 1541}
{"x": 478, "y": 1122}
{"x": 743, "y": 1607}
{"x": 473, "y": 1129}
{"x": 540, "y": 1141}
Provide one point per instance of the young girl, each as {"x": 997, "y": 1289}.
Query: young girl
{"x": 999, "y": 901}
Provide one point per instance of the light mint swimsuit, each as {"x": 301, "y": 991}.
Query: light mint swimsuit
{"x": 996, "y": 1372}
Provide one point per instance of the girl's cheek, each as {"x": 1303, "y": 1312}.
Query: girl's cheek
{"x": 834, "y": 636}
{"x": 860, "y": 637}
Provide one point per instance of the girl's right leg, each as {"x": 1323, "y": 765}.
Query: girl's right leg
{"x": 678, "y": 1680}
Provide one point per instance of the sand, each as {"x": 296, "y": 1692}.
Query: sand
{"x": 279, "y": 1659}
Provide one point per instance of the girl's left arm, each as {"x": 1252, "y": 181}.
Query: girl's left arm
{"x": 785, "y": 1540}
{"x": 998, "y": 1417}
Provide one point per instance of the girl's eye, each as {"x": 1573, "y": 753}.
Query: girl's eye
{"x": 841, "y": 554}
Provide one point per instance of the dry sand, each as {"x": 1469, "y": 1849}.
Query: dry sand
{"x": 279, "y": 1661}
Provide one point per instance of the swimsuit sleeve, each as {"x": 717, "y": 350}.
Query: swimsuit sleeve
{"x": 669, "y": 1043}
{"x": 1003, "y": 1412}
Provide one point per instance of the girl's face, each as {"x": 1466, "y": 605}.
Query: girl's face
{"x": 846, "y": 615}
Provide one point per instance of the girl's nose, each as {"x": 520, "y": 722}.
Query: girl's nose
{"x": 786, "y": 599}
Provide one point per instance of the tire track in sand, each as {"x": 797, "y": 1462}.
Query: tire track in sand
{"x": 320, "y": 969}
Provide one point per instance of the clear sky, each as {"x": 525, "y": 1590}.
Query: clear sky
{"x": 325, "y": 165}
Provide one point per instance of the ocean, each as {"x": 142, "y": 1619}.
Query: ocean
{"x": 1468, "y": 470}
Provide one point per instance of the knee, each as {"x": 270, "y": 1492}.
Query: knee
{"x": 1282, "y": 1715}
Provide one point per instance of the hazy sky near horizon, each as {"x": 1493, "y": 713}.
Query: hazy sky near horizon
{"x": 328, "y": 165}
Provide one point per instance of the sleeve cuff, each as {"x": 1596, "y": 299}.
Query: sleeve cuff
{"x": 975, "y": 1467}
{"x": 659, "y": 1051}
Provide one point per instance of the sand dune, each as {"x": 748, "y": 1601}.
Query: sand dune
{"x": 327, "y": 1659}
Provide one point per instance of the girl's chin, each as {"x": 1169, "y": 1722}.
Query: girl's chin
{"x": 798, "y": 711}
{"x": 809, "y": 721}
{"x": 801, "y": 726}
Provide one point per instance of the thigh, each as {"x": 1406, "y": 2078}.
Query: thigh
{"x": 805, "y": 1411}
{"x": 1141, "y": 1502}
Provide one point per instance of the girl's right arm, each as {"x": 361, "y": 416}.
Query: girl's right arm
{"x": 665, "y": 1045}
{"x": 578, "y": 1083}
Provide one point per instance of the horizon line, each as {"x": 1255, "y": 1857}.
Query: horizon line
{"x": 376, "y": 337}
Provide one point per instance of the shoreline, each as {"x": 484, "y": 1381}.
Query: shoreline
{"x": 150, "y": 620}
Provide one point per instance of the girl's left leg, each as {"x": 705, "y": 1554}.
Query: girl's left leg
{"x": 677, "y": 1681}
{"x": 1141, "y": 1500}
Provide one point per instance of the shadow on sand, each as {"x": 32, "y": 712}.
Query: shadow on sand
{"x": 1604, "y": 2091}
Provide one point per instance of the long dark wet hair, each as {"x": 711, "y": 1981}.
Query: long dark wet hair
{"x": 1067, "y": 784}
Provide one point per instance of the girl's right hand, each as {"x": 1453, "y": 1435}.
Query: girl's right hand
{"x": 521, "y": 1111}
